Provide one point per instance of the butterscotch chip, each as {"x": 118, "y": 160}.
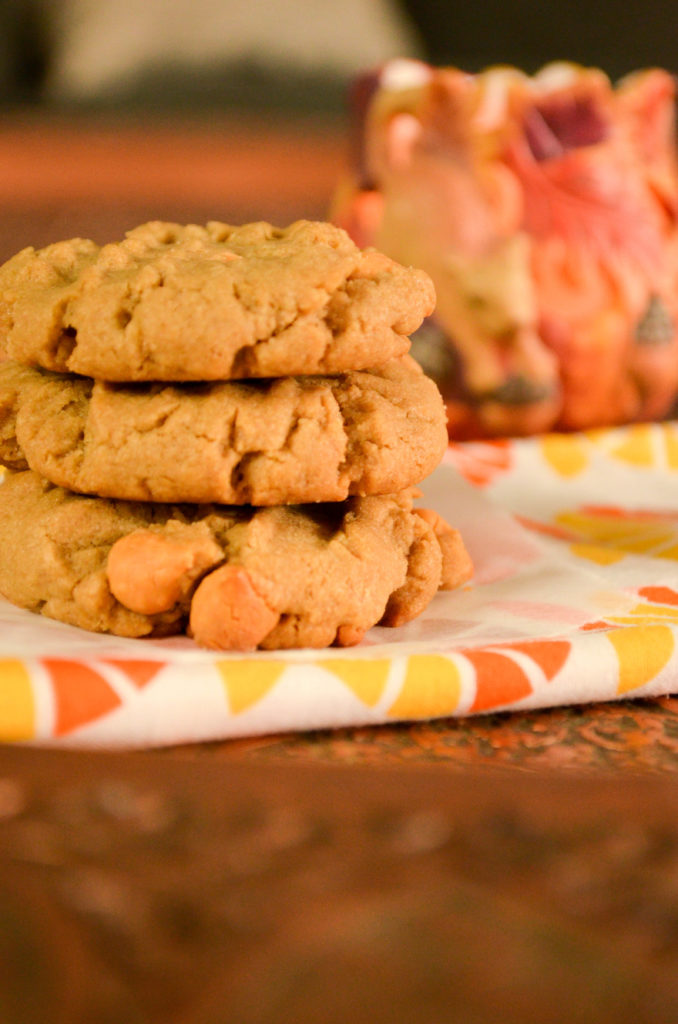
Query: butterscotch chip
{"x": 284, "y": 576}
{"x": 285, "y": 441}
{"x": 173, "y": 302}
{"x": 229, "y": 613}
{"x": 152, "y": 572}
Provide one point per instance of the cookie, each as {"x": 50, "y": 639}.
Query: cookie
{"x": 177, "y": 303}
{"x": 233, "y": 578}
{"x": 282, "y": 441}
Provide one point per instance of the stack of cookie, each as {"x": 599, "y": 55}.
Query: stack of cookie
{"x": 219, "y": 430}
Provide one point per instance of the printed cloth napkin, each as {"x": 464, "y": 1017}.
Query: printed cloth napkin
{"x": 574, "y": 599}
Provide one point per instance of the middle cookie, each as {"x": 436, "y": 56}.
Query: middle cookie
{"x": 284, "y": 441}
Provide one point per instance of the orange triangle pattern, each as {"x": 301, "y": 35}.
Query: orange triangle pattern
{"x": 595, "y": 627}
{"x": 481, "y": 461}
{"x": 550, "y": 655}
{"x": 499, "y": 680}
{"x": 138, "y": 672}
{"x": 659, "y": 595}
{"x": 81, "y": 694}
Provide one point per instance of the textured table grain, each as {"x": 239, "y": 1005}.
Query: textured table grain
{"x": 155, "y": 888}
{"x": 626, "y": 736}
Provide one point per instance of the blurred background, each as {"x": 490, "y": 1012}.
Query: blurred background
{"x": 282, "y": 54}
{"x": 115, "y": 111}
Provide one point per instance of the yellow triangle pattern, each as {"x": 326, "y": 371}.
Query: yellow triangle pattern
{"x": 648, "y": 613}
{"x": 648, "y": 543}
{"x": 596, "y": 553}
{"x": 671, "y": 446}
{"x": 637, "y": 446}
{"x": 606, "y": 538}
{"x": 642, "y": 652}
{"x": 17, "y": 702}
{"x": 247, "y": 682}
{"x": 567, "y": 455}
{"x": 431, "y": 688}
{"x": 365, "y": 677}
{"x": 631, "y": 533}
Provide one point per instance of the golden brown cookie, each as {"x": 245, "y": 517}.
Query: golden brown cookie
{"x": 175, "y": 303}
{"x": 283, "y": 441}
{"x": 234, "y": 578}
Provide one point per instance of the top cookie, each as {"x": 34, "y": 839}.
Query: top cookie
{"x": 185, "y": 303}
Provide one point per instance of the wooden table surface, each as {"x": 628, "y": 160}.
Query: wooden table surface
{"x": 79, "y": 176}
{"x": 520, "y": 867}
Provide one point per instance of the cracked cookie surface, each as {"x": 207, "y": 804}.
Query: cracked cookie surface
{"x": 234, "y": 578}
{"x": 187, "y": 302}
{"x": 282, "y": 441}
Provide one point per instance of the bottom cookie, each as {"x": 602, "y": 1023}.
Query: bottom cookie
{"x": 233, "y": 578}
